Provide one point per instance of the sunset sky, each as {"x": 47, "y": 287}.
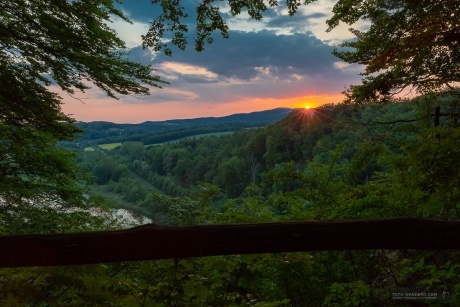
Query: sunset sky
{"x": 280, "y": 61}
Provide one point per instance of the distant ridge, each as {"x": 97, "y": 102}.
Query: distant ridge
{"x": 267, "y": 115}
{"x": 151, "y": 132}
{"x": 271, "y": 115}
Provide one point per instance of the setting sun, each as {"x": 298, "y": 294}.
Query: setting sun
{"x": 307, "y": 107}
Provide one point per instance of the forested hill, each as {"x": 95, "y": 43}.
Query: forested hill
{"x": 267, "y": 116}
{"x": 334, "y": 162}
{"x": 235, "y": 161}
{"x": 152, "y": 132}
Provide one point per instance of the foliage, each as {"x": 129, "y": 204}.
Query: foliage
{"x": 173, "y": 21}
{"x": 46, "y": 46}
{"x": 357, "y": 168}
{"x": 409, "y": 44}
{"x": 363, "y": 165}
{"x": 350, "y": 294}
{"x": 70, "y": 43}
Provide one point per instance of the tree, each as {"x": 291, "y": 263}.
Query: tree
{"x": 46, "y": 45}
{"x": 108, "y": 169}
{"x": 411, "y": 45}
{"x": 232, "y": 176}
{"x": 63, "y": 43}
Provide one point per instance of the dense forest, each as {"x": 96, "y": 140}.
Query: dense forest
{"x": 333, "y": 162}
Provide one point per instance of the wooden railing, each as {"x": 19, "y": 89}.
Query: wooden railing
{"x": 152, "y": 242}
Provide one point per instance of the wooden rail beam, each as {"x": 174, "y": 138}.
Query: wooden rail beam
{"x": 152, "y": 242}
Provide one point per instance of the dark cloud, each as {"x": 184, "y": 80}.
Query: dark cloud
{"x": 197, "y": 79}
{"x": 146, "y": 11}
{"x": 140, "y": 55}
{"x": 316, "y": 15}
{"x": 244, "y": 53}
{"x": 282, "y": 21}
{"x": 249, "y": 64}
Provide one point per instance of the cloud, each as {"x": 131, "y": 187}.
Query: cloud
{"x": 311, "y": 17}
{"x": 140, "y": 55}
{"x": 164, "y": 95}
{"x": 299, "y": 21}
{"x": 352, "y": 69}
{"x": 248, "y": 65}
{"x": 245, "y": 53}
{"x": 142, "y": 11}
{"x": 186, "y": 72}
{"x": 129, "y": 32}
{"x": 279, "y": 61}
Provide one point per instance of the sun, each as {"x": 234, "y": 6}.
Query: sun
{"x": 307, "y": 107}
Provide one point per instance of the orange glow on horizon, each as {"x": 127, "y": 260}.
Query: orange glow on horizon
{"x": 106, "y": 109}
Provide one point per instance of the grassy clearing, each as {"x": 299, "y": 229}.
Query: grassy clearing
{"x": 197, "y": 136}
{"x": 109, "y": 146}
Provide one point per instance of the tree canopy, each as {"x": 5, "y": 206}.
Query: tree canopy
{"x": 411, "y": 45}
{"x": 48, "y": 45}
{"x": 67, "y": 44}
